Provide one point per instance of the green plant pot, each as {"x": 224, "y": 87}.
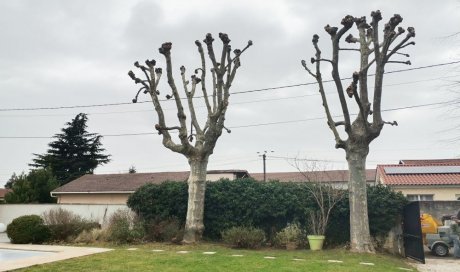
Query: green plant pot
{"x": 316, "y": 241}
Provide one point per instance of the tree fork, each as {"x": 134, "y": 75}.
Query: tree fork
{"x": 361, "y": 132}
{"x": 205, "y": 139}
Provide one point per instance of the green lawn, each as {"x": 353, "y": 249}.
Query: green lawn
{"x": 144, "y": 259}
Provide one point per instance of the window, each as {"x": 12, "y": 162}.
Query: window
{"x": 420, "y": 197}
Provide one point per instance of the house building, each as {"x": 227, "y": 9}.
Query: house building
{"x": 3, "y": 192}
{"x": 336, "y": 178}
{"x": 116, "y": 188}
{"x": 423, "y": 179}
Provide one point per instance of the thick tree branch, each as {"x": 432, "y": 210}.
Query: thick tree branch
{"x": 389, "y": 32}
{"x": 389, "y": 37}
{"x": 376, "y": 18}
{"x": 225, "y": 41}
{"x": 347, "y": 23}
{"x": 155, "y": 75}
{"x": 339, "y": 143}
{"x": 203, "y": 75}
{"x": 165, "y": 50}
{"x": 229, "y": 67}
{"x": 214, "y": 90}
{"x": 190, "y": 96}
{"x": 368, "y": 65}
{"x": 208, "y": 41}
{"x": 363, "y": 99}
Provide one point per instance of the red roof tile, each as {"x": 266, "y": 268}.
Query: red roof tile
{"x": 3, "y": 192}
{"x": 431, "y": 162}
{"x": 318, "y": 176}
{"x": 129, "y": 182}
{"x": 118, "y": 182}
{"x": 417, "y": 178}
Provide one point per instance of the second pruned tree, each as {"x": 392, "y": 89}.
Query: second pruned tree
{"x": 196, "y": 141}
{"x": 375, "y": 50}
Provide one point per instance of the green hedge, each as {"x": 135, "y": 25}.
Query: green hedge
{"x": 266, "y": 205}
{"x": 160, "y": 201}
{"x": 246, "y": 202}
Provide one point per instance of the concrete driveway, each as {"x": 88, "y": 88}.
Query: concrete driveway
{"x": 439, "y": 264}
{"x": 59, "y": 253}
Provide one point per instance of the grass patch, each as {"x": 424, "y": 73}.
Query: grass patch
{"x": 144, "y": 259}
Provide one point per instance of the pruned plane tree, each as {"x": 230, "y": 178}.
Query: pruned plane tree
{"x": 375, "y": 50}
{"x": 197, "y": 141}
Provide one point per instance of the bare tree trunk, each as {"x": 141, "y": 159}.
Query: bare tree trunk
{"x": 359, "y": 221}
{"x": 194, "y": 225}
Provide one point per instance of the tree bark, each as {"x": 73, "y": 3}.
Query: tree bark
{"x": 194, "y": 225}
{"x": 360, "y": 239}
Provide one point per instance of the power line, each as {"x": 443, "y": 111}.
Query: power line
{"x": 241, "y": 92}
{"x": 233, "y": 103}
{"x": 249, "y": 125}
{"x": 299, "y": 159}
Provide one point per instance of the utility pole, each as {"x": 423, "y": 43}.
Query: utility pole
{"x": 264, "y": 158}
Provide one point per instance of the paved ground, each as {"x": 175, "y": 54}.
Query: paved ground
{"x": 438, "y": 264}
{"x": 4, "y": 238}
{"x": 59, "y": 253}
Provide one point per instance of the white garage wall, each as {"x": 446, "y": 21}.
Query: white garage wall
{"x": 94, "y": 212}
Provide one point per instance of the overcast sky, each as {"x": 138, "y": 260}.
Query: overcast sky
{"x": 66, "y": 53}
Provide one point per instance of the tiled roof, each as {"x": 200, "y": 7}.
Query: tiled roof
{"x": 130, "y": 182}
{"x": 431, "y": 162}
{"x": 414, "y": 179}
{"x": 3, "y": 192}
{"x": 319, "y": 176}
{"x": 118, "y": 182}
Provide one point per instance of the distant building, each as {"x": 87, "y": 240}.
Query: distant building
{"x": 423, "y": 179}
{"x": 116, "y": 188}
{"x": 336, "y": 178}
{"x": 3, "y": 192}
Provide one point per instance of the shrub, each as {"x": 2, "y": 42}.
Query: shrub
{"x": 168, "y": 230}
{"x": 28, "y": 229}
{"x": 91, "y": 236}
{"x": 385, "y": 212}
{"x": 244, "y": 237}
{"x": 268, "y": 206}
{"x": 265, "y": 205}
{"x": 170, "y": 200}
{"x": 292, "y": 233}
{"x": 384, "y": 209}
{"x": 124, "y": 227}
{"x": 65, "y": 225}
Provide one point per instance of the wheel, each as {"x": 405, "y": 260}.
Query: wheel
{"x": 440, "y": 250}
